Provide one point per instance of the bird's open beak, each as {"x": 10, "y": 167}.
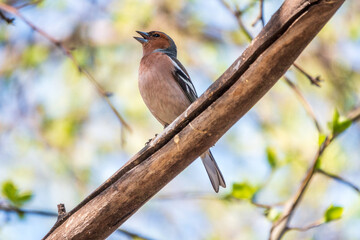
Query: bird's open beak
{"x": 144, "y": 35}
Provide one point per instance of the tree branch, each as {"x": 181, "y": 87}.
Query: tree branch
{"x": 339, "y": 179}
{"x": 9, "y": 208}
{"x": 134, "y": 236}
{"x": 308, "y": 227}
{"x": 305, "y": 104}
{"x": 260, "y": 16}
{"x": 245, "y": 82}
{"x": 68, "y": 53}
{"x": 6, "y": 19}
{"x": 313, "y": 80}
{"x": 237, "y": 14}
{"x": 280, "y": 227}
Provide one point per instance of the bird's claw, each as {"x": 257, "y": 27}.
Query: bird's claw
{"x": 150, "y": 140}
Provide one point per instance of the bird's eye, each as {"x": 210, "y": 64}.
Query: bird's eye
{"x": 156, "y": 35}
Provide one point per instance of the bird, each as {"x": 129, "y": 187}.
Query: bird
{"x": 167, "y": 89}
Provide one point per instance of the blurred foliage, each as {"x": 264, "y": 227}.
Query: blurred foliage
{"x": 59, "y": 138}
{"x": 242, "y": 191}
{"x": 272, "y": 214}
{"x": 338, "y": 126}
{"x": 34, "y": 55}
{"x": 271, "y": 157}
{"x": 11, "y": 192}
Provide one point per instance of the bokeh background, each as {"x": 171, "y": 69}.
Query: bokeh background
{"x": 59, "y": 139}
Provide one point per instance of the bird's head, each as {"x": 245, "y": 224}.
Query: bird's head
{"x": 156, "y": 41}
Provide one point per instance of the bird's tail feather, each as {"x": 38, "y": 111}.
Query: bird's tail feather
{"x": 213, "y": 170}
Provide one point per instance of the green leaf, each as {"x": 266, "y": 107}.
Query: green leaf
{"x": 342, "y": 126}
{"x": 333, "y": 213}
{"x": 322, "y": 138}
{"x": 336, "y": 117}
{"x": 227, "y": 197}
{"x": 271, "y": 157}
{"x": 318, "y": 163}
{"x": 21, "y": 215}
{"x": 272, "y": 214}
{"x": 338, "y": 126}
{"x": 25, "y": 196}
{"x": 11, "y": 192}
{"x": 242, "y": 191}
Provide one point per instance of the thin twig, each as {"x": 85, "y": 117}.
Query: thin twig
{"x": 305, "y": 103}
{"x": 354, "y": 115}
{"x": 262, "y": 186}
{"x": 261, "y": 205}
{"x": 8, "y": 208}
{"x": 308, "y": 227}
{"x": 68, "y": 53}
{"x": 187, "y": 195}
{"x": 205, "y": 196}
{"x": 260, "y": 16}
{"x": 29, "y": 4}
{"x": 339, "y": 179}
{"x": 313, "y": 80}
{"x": 6, "y": 19}
{"x": 133, "y": 235}
{"x": 237, "y": 14}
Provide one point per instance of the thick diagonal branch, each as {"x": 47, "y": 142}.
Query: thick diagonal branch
{"x": 246, "y": 81}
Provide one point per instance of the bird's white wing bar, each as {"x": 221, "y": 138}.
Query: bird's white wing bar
{"x": 184, "y": 80}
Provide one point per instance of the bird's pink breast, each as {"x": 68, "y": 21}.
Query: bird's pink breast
{"x": 159, "y": 90}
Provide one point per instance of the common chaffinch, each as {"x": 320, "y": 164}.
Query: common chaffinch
{"x": 167, "y": 90}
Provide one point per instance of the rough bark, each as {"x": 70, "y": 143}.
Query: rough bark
{"x": 267, "y": 58}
